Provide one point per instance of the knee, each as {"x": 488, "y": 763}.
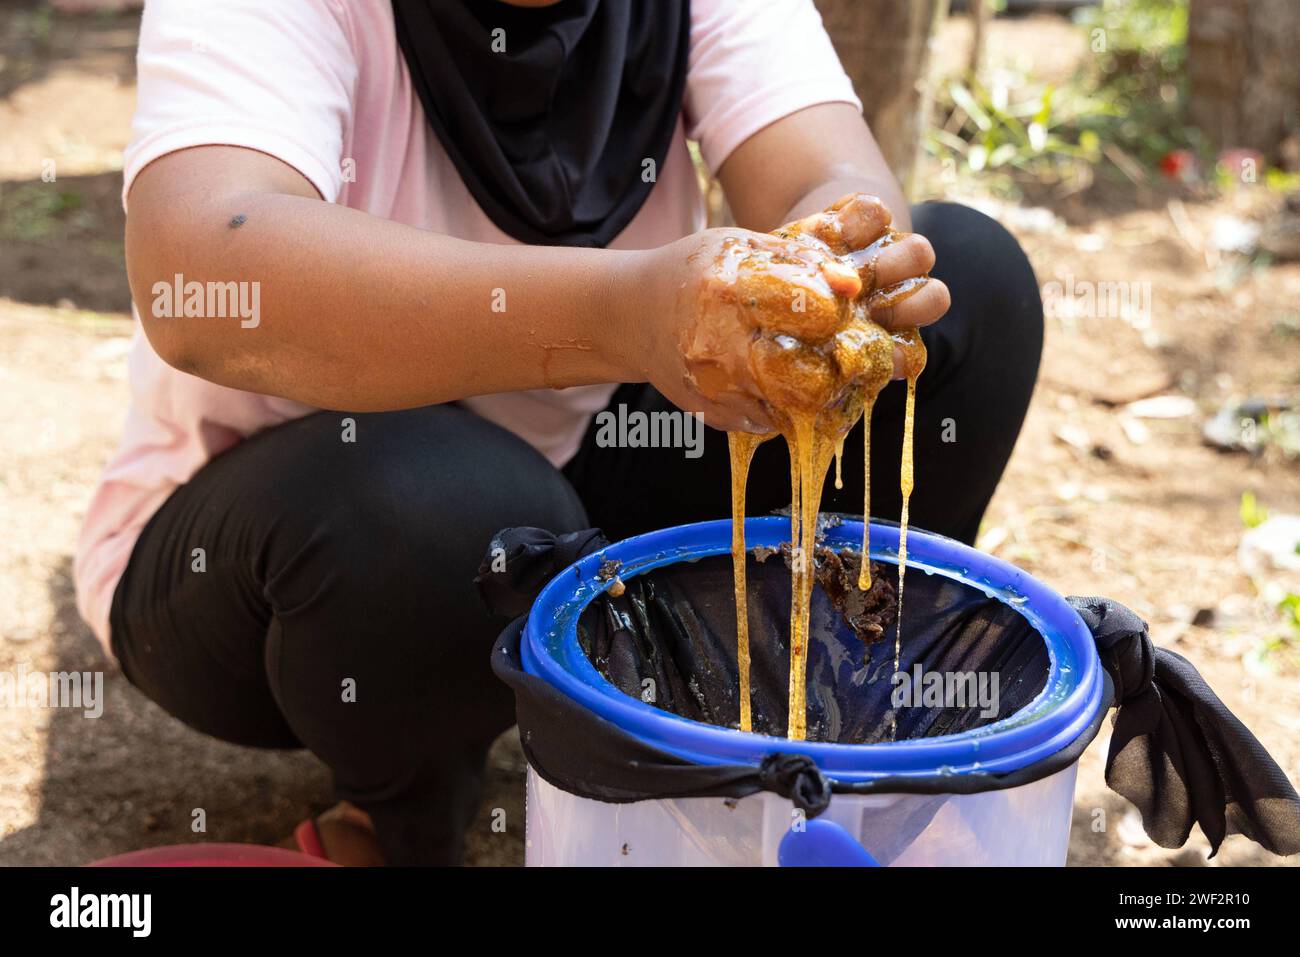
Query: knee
{"x": 447, "y": 489}
{"x": 973, "y": 249}
{"x": 419, "y": 490}
{"x": 984, "y": 266}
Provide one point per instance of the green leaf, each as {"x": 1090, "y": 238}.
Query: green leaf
{"x": 966, "y": 100}
{"x": 950, "y": 140}
{"x": 1002, "y": 155}
{"x": 1252, "y": 513}
{"x": 1044, "y": 114}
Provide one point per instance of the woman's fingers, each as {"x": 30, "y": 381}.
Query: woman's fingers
{"x": 909, "y": 257}
{"x": 842, "y": 279}
{"x": 851, "y": 222}
{"x": 922, "y": 302}
{"x": 860, "y": 220}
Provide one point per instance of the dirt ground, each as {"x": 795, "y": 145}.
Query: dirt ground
{"x": 1092, "y": 503}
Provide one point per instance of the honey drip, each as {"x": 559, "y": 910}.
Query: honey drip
{"x": 741, "y": 446}
{"x": 819, "y": 372}
{"x": 914, "y": 357}
{"x": 810, "y": 455}
{"x": 864, "y": 576}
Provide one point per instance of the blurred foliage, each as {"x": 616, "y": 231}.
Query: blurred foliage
{"x": 34, "y": 212}
{"x": 1281, "y": 430}
{"x": 1139, "y": 76}
{"x": 1033, "y": 131}
{"x": 1285, "y": 645}
{"x": 1280, "y": 180}
{"x": 1123, "y": 110}
{"x": 1253, "y": 514}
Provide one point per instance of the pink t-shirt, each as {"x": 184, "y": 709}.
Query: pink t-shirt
{"x": 322, "y": 86}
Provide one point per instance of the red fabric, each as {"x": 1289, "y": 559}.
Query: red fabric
{"x": 308, "y": 839}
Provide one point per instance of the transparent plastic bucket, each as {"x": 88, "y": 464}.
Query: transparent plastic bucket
{"x": 1024, "y": 825}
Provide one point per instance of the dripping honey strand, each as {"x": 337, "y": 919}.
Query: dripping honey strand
{"x": 864, "y": 575}
{"x": 741, "y": 446}
{"x": 813, "y": 436}
{"x": 914, "y": 355}
{"x": 810, "y": 454}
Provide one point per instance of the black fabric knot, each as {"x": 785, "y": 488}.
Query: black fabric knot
{"x": 797, "y": 778}
{"x": 520, "y": 561}
{"x": 1123, "y": 645}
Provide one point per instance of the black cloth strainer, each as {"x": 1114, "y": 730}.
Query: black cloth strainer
{"x": 1176, "y": 751}
{"x": 670, "y": 640}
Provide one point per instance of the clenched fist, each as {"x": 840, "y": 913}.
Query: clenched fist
{"x": 804, "y": 320}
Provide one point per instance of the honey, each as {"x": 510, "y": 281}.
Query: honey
{"x": 820, "y": 363}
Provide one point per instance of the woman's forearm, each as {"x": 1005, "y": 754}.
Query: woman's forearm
{"x": 803, "y": 163}
{"x": 360, "y": 313}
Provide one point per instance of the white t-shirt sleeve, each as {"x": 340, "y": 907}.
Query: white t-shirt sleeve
{"x": 753, "y": 62}
{"x": 276, "y": 76}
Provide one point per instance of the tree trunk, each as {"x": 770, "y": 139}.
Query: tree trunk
{"x": 885, "y": 48}
{"x": 980, "y": 12}
{"x": 1244, "y": 71}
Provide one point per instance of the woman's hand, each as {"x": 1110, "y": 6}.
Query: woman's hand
{"x": 716, "y": 302}
{"x": 708, "y": 298}
{"x": 894, "y": 266}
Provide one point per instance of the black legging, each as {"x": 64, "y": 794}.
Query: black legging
{"x": 337, "y": 612}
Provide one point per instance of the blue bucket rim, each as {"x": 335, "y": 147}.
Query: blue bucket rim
{"x": 1064, "y": 708}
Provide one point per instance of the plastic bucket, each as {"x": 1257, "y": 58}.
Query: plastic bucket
{"x": 1024, "y": 825}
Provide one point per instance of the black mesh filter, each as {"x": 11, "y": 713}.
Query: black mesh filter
{"x": 670, "y": 640}
{"x": 1176, "y": 751}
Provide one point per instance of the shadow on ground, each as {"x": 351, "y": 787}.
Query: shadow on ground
{"x": 135, "y": 778}
{"x": 38, "y": 41}
{"x": 63, "y": 242}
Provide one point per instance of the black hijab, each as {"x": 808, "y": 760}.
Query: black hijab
{"x": 552, "y": 134}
